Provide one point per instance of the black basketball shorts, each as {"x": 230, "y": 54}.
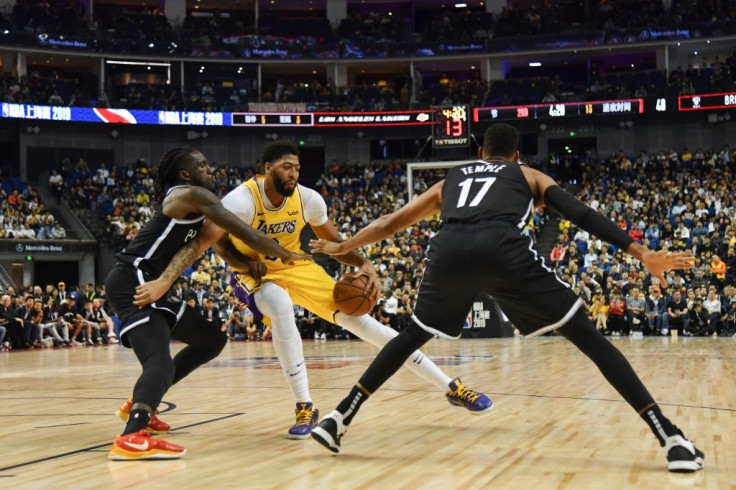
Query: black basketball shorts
{"x": 120, "y": 288}
{"x": 465, "y": 260}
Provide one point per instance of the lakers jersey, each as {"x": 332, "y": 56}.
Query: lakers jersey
{"x": 283, "y": 224}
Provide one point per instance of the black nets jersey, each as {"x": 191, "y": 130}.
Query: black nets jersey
{"x": 486, "y": 191}
{"x": 159, "y": 240}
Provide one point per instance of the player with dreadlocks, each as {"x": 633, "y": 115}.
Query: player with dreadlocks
{"x": 188, "y": 216}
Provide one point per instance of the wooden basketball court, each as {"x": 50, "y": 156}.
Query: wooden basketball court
{"x": 556, "y": 422}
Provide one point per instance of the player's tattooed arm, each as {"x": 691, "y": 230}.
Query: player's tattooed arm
{"x": 151, "y": 291}
{"x": 183, "y": 259}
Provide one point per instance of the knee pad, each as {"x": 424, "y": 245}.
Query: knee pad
{"x": 163, "y": 365}
{"x": 417, "y": 333}
{"x": 582, "y": 333}
{"x": 275, "y": 303}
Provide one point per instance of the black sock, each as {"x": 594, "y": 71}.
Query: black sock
{"x": 660, "y": 425}
{"x": 137, "y": 420}
{"x": 350, "y": 405}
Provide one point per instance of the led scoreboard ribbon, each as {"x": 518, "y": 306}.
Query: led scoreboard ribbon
{"x": 558, "y": 110}
{"x": 726, "y": 100}
{"x": 450, "y": 124}
{"x": 193, "y": 118}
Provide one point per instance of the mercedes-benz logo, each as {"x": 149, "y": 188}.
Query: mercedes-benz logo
{"x": 19, "y": 247}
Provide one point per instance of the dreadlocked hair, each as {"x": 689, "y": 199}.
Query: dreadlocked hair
{"x": 167, "y": 170}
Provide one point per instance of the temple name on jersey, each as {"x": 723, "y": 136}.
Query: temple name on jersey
{"x": 482, "y": 168}
{"x": 276, "y": 228}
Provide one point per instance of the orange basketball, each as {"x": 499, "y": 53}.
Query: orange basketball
{"x": 350, "y": 296}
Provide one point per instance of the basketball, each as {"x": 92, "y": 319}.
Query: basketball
{"x": 350, "y": 296}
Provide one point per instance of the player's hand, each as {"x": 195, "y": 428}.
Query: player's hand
{"x": 292, "y": 257}
{"x": 257, "y": 269}
{"x": 657, "y": 263}
{"x": 373, "y": 288}
{"x": 326, "y": 247}
{"x": 150, "y": 291}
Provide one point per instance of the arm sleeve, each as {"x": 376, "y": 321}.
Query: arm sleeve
{"x": 315, "y": 208}
{"x": 585, "y": 217}
{"x": 240, "y": 202}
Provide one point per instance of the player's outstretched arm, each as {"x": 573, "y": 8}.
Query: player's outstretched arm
{"x": 328, "y": 233}
{"x": 388, "y": 225}
{"x": 210, "y": 206}
{"x": 225, "y": 249}
{"x": 547, "y": 192}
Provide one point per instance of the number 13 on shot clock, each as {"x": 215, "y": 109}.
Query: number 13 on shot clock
{"x": 450, "y": 128}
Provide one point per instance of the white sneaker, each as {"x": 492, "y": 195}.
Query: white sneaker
{"x": 323, "y": 337}
{"x": 682, "y": 455}
{"x": 112, "y": 340}
{"x": 316, "y": 335}
{"x": 329, "y": 431}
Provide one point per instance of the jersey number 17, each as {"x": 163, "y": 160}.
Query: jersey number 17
{"x": 465, "y": 186}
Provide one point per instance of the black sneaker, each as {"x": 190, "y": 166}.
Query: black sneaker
{"x": 329, "y": 431}
{"x": 682, "y": 455}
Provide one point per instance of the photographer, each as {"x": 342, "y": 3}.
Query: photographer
{"x": 233, "y": 325}
{"x": 698, "y": 319}
{"x": 404, "y": 310}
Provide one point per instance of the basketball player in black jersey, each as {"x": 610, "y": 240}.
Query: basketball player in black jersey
{"x": 480, "y": 248}
{"x": 188, "y": 215}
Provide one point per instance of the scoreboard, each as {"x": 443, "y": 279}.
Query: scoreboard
{"x": 558, "y": 110}
{"x": 450, "y": 124}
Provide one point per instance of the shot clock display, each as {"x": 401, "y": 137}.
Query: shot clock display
{"x": 450, "y": 128}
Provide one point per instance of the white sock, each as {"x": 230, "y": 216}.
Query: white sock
{"x": 370, "y": 330}
{"x": 274, "y": 302}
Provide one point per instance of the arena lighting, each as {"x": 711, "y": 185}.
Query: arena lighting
{"x": 461, "y": 5}
{"x": 535, "y": 63}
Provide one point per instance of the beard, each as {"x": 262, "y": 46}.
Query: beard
{"x": 206, "y": 182}
{"x": 281, "y": 188}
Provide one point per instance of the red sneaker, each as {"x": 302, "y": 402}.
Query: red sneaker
{"x": 140, "y": 445}
{"x": 155, "y": 425}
